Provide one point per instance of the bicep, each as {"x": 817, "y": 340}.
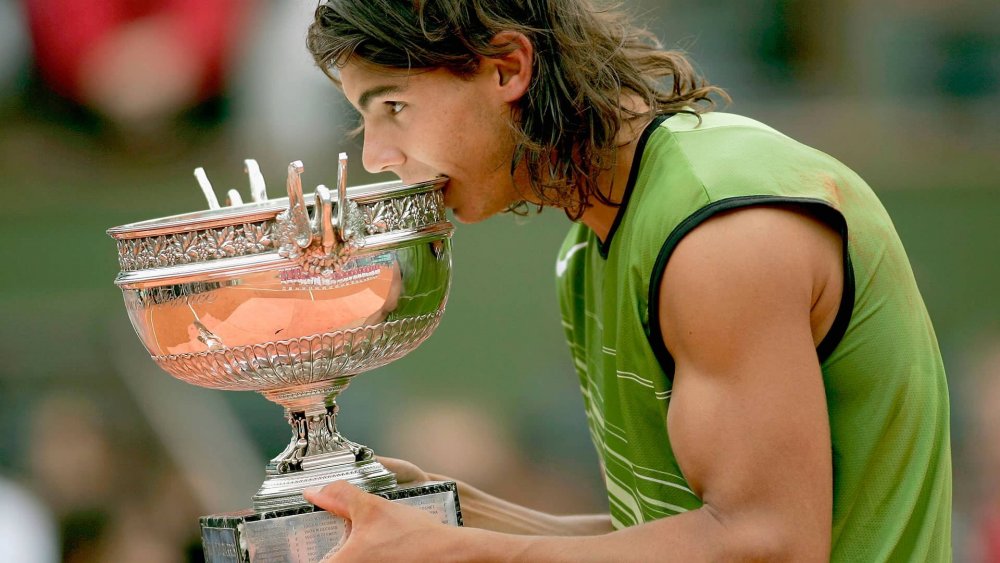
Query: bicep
{"x": 748, "y": 419}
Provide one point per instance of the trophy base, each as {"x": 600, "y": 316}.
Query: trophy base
{"x": 305, "y": 533}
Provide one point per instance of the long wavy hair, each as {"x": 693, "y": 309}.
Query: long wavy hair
{"x": 566, "y": 127}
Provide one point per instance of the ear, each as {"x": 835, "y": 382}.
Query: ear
{"x": 513, "y": 70}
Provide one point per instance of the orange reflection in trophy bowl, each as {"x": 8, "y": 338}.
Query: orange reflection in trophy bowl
{"x": 285, "y": 327}
{"x": 269, "y": 306}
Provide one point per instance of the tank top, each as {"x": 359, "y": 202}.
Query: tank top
{"x": 887, "y": 395}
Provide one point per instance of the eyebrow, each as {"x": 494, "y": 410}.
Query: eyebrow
{"x": 367, "y": 95}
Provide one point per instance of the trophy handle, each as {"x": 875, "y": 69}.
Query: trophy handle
{"x": 319, "y": 245}
{"x": 342, "y": 229}
{"x": 258, "y": 188}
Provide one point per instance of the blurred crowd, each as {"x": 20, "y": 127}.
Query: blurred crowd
{"x": 105, "y": 107}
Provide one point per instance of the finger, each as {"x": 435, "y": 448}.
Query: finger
{"x": 339, "y": 497}
{"x": 405, "y": 471}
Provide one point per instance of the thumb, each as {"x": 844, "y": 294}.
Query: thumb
{"x": 339, "y": 497}
{"x": 405, "y": 471}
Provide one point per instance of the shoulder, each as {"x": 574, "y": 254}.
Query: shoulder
{"x": 693, "y": 160}
{"x": 744, "y": 274}
{"x": 718, "y": 145}
{"x": 714, "y": 120}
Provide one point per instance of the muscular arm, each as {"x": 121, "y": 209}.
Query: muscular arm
{"x": 746, "y": 298}
{"x": 748, "y": 420}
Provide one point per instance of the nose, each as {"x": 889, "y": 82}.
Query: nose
{"x": 380, "y": 154}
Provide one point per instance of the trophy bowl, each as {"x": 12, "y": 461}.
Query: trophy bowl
{"x": 292, "y": 297}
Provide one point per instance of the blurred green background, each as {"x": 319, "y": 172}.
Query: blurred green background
{"x": 108, "y": 459}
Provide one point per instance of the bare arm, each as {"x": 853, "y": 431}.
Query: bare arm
{"x": 743, "y": 309}
{"x": 483, "y": 510}
{"x": 748, "y": 419}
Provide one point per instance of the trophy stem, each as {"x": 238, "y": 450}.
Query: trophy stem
{"x": 317, "y": 453}
{"x": 316, "y": 441}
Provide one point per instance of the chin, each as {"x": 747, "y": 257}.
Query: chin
{"x": 468, "y": 217}
{"x": 462, "y": 218}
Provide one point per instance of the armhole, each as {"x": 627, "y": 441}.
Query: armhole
{"x": 819, "y": 208}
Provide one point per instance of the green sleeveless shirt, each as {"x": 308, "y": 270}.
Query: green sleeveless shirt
{"x": 885, "y": 383}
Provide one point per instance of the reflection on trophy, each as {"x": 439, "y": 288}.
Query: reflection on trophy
{"x": 292, "y": 299}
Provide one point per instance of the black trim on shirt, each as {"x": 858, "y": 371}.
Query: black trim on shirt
{"x": 633, "y": 173}
{"x": 821, "y": 210}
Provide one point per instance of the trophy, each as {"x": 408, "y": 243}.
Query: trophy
{"x": 292, "y": 298}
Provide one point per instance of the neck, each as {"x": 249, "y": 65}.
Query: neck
{"x": 600, "y": 216}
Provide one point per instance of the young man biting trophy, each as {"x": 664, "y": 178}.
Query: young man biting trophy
{"x": 760, "y": 373}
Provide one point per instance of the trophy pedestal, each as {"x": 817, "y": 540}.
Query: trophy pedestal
{"x": 304, "y": 533}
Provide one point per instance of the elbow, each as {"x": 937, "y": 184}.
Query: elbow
{"x": 762, "y": 537}
{"x": 781, "y": 545}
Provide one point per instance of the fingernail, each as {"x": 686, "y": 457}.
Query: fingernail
{"x": 311, "y": 491}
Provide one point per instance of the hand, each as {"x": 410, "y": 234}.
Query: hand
{"x": 380, "y": 530}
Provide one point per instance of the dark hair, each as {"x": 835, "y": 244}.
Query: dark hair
{"x": 585, "y": 58}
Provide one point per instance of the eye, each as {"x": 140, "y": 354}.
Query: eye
{"x": 395, "y": 107}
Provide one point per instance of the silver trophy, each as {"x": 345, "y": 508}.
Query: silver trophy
{"x": 292, "y": 298}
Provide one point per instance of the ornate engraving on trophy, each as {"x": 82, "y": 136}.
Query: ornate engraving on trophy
{"x": 195, "y": 246}
{"x": 403, "y": 213}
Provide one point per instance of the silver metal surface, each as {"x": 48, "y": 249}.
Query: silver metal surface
{"x": 233, "y": 197}
{"x": 258, "y": 188}
{"x": 308, "y": 536}
{"x": 342, "y": 228}
{"x": 292, "y": 300}
{"x": 206, "y": 188}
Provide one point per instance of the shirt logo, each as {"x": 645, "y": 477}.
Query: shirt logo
{"x": 563, "y": 263}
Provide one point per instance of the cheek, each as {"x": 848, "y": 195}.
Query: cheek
{"x": 468, "y": 139}
{"x": 482, "y": 127}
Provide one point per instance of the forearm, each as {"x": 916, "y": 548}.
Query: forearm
{"x": 698, "y": 535}
{"x": 482, "y": 510}
{"x": 693, "y": 536}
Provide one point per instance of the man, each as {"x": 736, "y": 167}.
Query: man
{"x": 761, "y": 378}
